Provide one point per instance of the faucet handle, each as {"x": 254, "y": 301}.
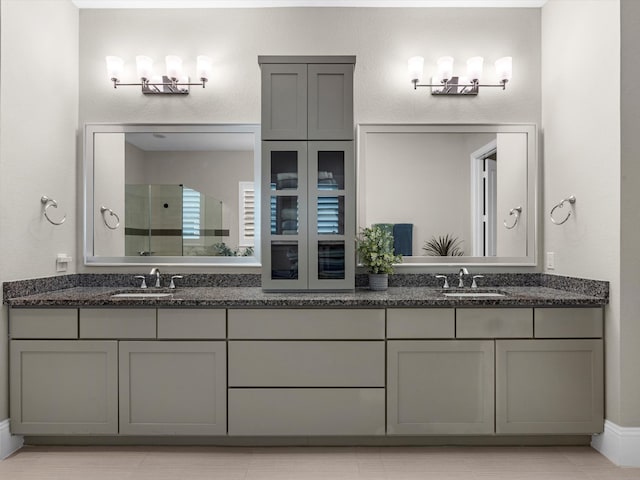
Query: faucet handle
{"x": 446, "y": 281}
{"x": 172, "y": 284}
{"x": 144, "y": 281}
{"x": 474, "y": 284}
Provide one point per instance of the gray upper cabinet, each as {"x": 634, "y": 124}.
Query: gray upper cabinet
{"x": 330, "y": 104}
{"x": 284, "y": 102}
{"x": 307, "y": 98}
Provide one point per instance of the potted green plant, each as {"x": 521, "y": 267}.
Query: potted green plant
{"x": 375, "y": 250}
{"x": 444, "y": 246}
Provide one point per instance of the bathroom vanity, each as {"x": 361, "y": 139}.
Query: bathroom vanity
{"x": 240, "y": 362}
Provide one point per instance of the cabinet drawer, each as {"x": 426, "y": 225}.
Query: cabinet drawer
{"x": 191, "y": 323}
{"x": 354, "y": 324}
{"x": 420, "y": 323}
{"x": 568, "y": 322}
{"x": 44, "y": 323}
{"x": 494, "y": 323}
{"x": 117, "y": 323}
{"x": 306, "y": 364}
{"x": 308, "y": 411}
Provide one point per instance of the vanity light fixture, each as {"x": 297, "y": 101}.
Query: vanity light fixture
{"x": 172, "y": 82}
{"x": 446, "y": 83}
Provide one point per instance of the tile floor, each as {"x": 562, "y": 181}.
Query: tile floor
{"x": 311, "y": 463}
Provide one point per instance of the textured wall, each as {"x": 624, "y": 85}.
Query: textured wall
{"x": 581, "y": 131}
{"x": 37, "y": 142}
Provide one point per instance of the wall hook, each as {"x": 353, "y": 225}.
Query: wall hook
{"x": 571, "y": 199}
{"x": 50, "y": 202}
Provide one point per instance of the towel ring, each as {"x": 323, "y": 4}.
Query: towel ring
{"x": 104, "y": 209}
{"x": 571, "y": 199}
{"x": 50, "y": 202}
{"x": 514, "y": 211}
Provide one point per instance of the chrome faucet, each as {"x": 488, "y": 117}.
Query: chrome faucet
{"x": 156, "y": 271}
{"x": 463, "y": 271}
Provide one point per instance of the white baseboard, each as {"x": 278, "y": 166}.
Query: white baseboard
{"x": 619, "y": 444}
{"x": 8, "y": 443}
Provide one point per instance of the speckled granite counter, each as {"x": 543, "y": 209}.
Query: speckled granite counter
{"x": 255, "y": 297}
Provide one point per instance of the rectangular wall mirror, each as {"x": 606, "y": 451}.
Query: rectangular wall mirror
{"x": 172, "y": 194}
{"x": 471, "y": 187}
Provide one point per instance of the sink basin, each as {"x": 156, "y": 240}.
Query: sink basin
{"x": 142, "y": 295}
{"x": 472, "y": 294}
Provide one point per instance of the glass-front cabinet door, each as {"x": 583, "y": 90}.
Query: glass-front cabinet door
{"x": 331, "y": 215}
{"x": 284, "y": 218}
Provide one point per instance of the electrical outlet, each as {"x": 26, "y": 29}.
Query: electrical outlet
{"x": 551, "y": 261}
{"x": 62, "y": 262}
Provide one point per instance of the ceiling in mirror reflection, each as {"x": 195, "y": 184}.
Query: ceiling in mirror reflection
{"x": 191, "y": 142}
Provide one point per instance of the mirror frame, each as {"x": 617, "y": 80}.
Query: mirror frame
{"x": 531, "y": 213}
{"x": 90, "y": 259}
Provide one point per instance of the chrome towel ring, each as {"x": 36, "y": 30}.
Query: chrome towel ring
{"x": 571, "y": 199}
{"x": 514, "y": 211}
{"x": 104, "y": 209}
{"x": 50, "y": 202}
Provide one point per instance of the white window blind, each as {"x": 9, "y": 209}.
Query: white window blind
{"x": 191, "y": 213}
{"x": 247, "y": 203}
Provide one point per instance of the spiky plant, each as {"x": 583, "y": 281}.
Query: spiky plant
{"x": 444, "y": 246}
{"x": 375, "y": 249}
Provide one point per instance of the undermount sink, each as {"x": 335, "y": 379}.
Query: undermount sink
{"x": 480, "y": 294}
{"x": 142, "y": 295}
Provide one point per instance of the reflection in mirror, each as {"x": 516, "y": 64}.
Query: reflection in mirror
{"x": 186, "y": 193}
{"x": 451, "y": 194}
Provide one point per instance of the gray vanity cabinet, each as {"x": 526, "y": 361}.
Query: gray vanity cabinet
{"x": 64, "y": 387}
{"x": 173, "y": 387}
{"x": 440, "y": 387}
{"x": 549, "y": 386}
{"x": 307, "y": 98}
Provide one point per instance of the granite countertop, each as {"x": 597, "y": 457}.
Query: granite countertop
{"x": 88, "y": 296}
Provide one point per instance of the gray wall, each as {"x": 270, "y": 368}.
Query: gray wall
{"x": 39, "y": 42}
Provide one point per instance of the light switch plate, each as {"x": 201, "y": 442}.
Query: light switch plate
{"x": 551, "y": 261}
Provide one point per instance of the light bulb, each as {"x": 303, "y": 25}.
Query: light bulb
{"x": 416, "y": 68}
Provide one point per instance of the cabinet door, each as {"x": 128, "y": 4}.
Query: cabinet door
{"x": 331, "y": 226}
{"x": 284, "y": 218}
{"x": 173, "y": 388}
{"x": 64, "y": 387}
{"x": 549, "y": 386}
{"x": 284, "y": 101}
{"x": 440, "y": 387}
{"x": 330, "y": 102}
